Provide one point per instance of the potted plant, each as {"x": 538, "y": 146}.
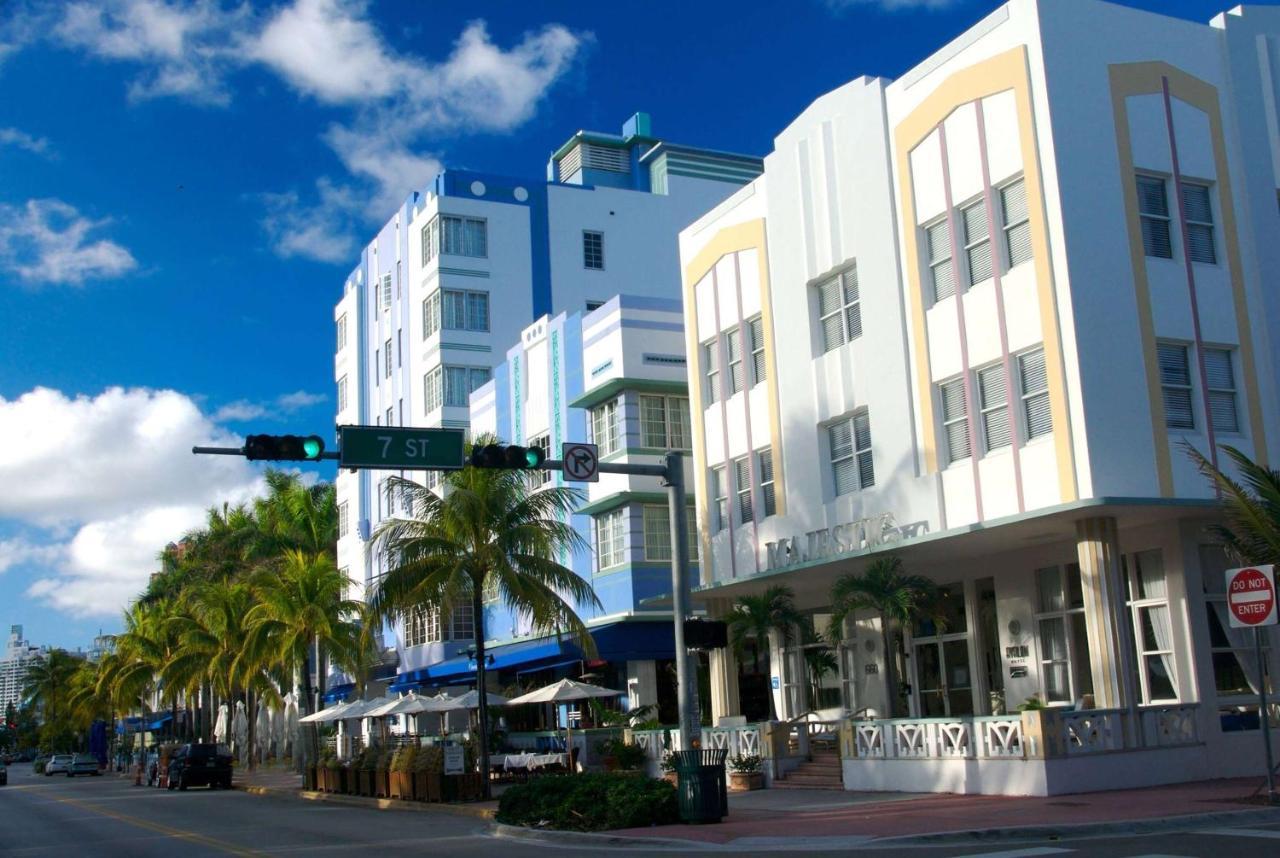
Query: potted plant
{"x": 608, "y": 754}
{"x": 668, "y": 765}
{"x": 745, "y": 774}
{"x": 428, "y": 766}
{"x": 402, "y": 772}
{"x": 332, "y": 775}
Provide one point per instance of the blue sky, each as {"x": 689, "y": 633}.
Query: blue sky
{"x": 183, "y": 186}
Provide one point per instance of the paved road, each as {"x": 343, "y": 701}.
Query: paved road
{"x": 107, "y": 816}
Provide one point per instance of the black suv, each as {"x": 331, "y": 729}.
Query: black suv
{"x": 200, "y": 765}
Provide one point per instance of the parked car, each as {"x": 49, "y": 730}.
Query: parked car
{"x": 200, "y": 765}
{"x": 58, "y": 764}
{"x": 83, "y": 764}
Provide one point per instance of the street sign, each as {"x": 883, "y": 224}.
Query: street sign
{"x": 454, "y": 760}
{"x": 580, "y": 462}
{"x": 395, "y": 448}
{"x": 1251, "y": 596}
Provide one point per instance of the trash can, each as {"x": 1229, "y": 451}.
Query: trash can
{"x": 700, "y": 776}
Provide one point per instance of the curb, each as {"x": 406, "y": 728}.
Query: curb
{"x": 1027, "y": 833}
{"x": 370, "y": 803}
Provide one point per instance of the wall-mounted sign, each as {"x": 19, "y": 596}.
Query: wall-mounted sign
{"x": 872, "y": 669}
{"x": 454, "y": 761}
{"x": 1017, "y": 672}
{"x": 777, "y": 683}
{"x": 1015, "y": 651}
{"x": 865, "y": 533}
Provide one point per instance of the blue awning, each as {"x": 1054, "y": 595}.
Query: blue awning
{"x": 159, "y": 723}
{"x": 339, "y": 692}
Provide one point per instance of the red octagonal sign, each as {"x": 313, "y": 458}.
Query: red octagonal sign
{"x": 1251, "y": 596}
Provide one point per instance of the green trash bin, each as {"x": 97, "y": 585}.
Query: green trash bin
{"x": 700, "y": 776}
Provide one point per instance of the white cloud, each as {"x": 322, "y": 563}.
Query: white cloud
{"x": 110, "y": 480}
{"x": 23, "y": 140}
{"x": 47, "y": 241}
{"x": 839, "y": 6}
{"x": 299, "y": 399}
{"x": 322, "y": 230}
{"x": 281, "y": 407}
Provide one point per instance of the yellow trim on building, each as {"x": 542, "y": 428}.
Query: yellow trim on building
{"x": 1007, "y": 71}
{"x": 1133, "y": 79}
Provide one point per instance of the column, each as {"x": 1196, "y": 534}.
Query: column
{"x": 642, "y": 683}
{"x": 724, "y": 672}
{"x": 1098, "y": 549}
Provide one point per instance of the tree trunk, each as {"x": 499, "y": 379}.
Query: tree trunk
{"x": 482, "y": 693}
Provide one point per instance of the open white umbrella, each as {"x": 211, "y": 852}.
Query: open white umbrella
{"x": 471, "y": 700}
{"x": 333, "y": 713}
{"x": 411, "y": 704}
{"x": 565, "y": 691}
{"x": 220, "y": 726}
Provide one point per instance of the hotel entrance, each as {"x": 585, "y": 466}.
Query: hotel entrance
{"x": 943, "y": 674}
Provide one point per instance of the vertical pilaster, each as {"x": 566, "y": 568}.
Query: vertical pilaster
{"x": 1098, "y": 550}
{"x": 724, "y": 684}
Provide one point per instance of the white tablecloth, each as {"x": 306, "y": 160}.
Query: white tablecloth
{"x": 529, "y": 762}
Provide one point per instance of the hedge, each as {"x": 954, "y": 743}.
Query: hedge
{"x": 590, "y": 802}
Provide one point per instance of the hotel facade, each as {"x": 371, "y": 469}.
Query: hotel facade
{"x": 971, "y": 319}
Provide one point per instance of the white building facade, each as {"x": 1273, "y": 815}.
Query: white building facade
{"x": 968, "y": 319}
{"x": 18, "y": 657}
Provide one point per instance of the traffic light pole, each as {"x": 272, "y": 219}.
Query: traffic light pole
{"x": 239, "y": 451}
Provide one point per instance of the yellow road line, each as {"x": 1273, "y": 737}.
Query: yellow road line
{"x": 177, "y": 833}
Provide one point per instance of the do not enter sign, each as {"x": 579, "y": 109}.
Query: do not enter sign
{"x": 1251, "y": 596}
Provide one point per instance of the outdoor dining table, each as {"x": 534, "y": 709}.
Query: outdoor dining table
{"x": 528, "y": 762}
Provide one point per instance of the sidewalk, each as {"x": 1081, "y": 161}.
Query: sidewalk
{"x": 775, "y": 816}
{"x": 283, "y": 781}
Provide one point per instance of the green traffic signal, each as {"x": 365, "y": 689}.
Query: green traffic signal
{"x": 312, "y": 447}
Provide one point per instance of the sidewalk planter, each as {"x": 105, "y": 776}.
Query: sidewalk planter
{"x": 309, "y": 779}
{"x": 340, "y": 784}
{"x": 364, "y": 783}
{"x": 426, "y": 786}
{"x": 745, "y": 781}
{"x": 351, "y": 777}
{"x": 402, "y": 785}
{"x": 382, "y": 783}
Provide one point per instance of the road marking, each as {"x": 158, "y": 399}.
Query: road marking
{"x": 1018, "y": 853}
{"x": 176, "y": 833}
{"x": 1244, "y": 832}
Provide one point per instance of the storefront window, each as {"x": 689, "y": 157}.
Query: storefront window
{"x": 1066, "y": 674}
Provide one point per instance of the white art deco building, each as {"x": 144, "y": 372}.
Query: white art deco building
{"x": 970, "y": 318}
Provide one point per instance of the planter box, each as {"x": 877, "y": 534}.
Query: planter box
{"x": 340, "y": 784}
{"x": 402, "y": 785}
{"x": 382, "y": 783}
{"x": 364, "y": 783}
{"x": 745, "y": 781}
{"x": 352, "y": 778}
{"x": 309, "y": 779}
{"x": 426, "y": 786}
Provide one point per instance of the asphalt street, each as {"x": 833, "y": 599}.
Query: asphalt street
{"x": 107, "y": 816}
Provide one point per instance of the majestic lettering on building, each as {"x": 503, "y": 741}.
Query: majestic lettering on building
{"x": 865, "y": 533}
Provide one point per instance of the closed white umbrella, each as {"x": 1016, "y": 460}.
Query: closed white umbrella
{"x": 240, "y": 733}
{"x": 262, "y": 732}
{"x": 220, "y": 726}
{"x": 278, "y": 717}
{"x": 565, "y": 691}
{"x": 291, "y": 724}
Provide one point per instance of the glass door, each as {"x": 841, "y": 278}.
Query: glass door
{"x": 931, "y": 694}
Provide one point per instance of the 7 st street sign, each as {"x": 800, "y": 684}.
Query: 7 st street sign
{"x": 395, "y": 448}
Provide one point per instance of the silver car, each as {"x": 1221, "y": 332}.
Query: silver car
{"x": 58, "y": 764}
{"x": 83, "y": 764}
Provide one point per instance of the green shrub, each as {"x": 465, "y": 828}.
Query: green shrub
{"x": 430, "y": 759}
{"x": 589, "y": 802}
{"x": 404, "y": 758}
{"x": 747, "y": 764}
{"x": 38, "y": 766}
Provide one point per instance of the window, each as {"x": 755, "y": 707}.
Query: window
{"x": 460, "y": 236}
{"x": 664, "y": 422}
{"x": 452, "y": 385}
{"x": 1034, "y": 389}
{"x": 839, "y": 309}
{"x": 400, "y": 412}
{"x": 1153, "y": 634}
{"x": 993, "y": 405}
{"x": 539, "y": 478}
{"x": 1198, "y": 213}
{"x": 1221, "y": 384}
{"x": 430, "y": 314}
{"x": 610, "y": 527}
{"x": 955, "y": 420}
{"x": 852, "y": 467}
{"x": 377, "y": 366}
{"x": 431, "y": 393}
{"x": 430, "y": 240}
{"x": 755, "y": 341}
{"x": 594, "y": 305}
{"x": 733, "y": 344}
{"x": 389, "y": 488}
{"x": 391, "y": 416}
{"x": 977, "y": 241}
{"x": 421, "y": 626}
{"x": 399, "y": 347}
{"x": 742, "y": 484}
{"x": 1235, "y": 662}
{"x": 938, "y": 245}
{"x": 1016, "y": 222}
{"x": 1066, "y": 674}
{"x": 764, "y": 467}
{"x": 711, "y": 359}
{"x": 462, "y": 623}
{"x": 657, "y": 534}
{"x": 344, "y": 519}
{"x": 1153, "y": 211}
{"x": 719, "y": 491}
{"x": 342, "y": 332}
{"x": 593, "y": 250}
{"x": 386, "y": 359}
{"x": 386, "y": 291}
{"x": 342, "y": 394}
{"x": 604, "y": 427}
{"x": 1175, "y": 384}
{"x": 463, "y": 311}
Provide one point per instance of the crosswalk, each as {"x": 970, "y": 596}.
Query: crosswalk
{"x": 1185, "y": 849}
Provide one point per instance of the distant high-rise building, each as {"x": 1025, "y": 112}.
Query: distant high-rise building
{"x": 18, "y": 655}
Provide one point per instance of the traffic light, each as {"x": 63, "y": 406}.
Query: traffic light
{"x": 507, "y": 456}
{"x": 284, "y": 448}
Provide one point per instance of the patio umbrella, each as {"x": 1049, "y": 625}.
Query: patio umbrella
{"x": 262, "y": 732}
{"x": 291, "y": 724}
{"x": 240, "y": 733}
{"x": 471, "y": 700}
{"x": 565, "y": 691}
{"x": 278, "y": 717}
{"x": 333, "y": 713}
{"x": 220, "y": 726}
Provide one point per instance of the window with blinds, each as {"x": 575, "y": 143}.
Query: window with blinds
{"x": 1033, "y": 387}
{"x": 386, "y": 358}
{"x": 1198, "y": 213}
{"x": 610, "y": 538}
{"x": 342, "y": 332}
{"x": 451, "y": 385}
{"x": 459, "y": 310}
{"x": 711, "y": 360}
{"x": 664, "y": 422}
{"x": 430, "y": 240}
{"x": 1220, "y": 381}
{"x": 755, "y": 338}
{"x": 955, "y": 420}
{"x": 1016, "y": 222}
{"x": 733, "y": 345}
{"x": 604, "y": 427}
{"x": 430, "y": 314}
{"x": 742, "y": 487}
{"x": 657, "y": 534}
{"x": 977, "y": 241}
{"x": 593, "y": 250}
{"x": 993, "y": 406}
{"x": 839, "y": 309}
{"x": 464, "y": 236}
{"x": 764, "y": 469}
{"x": 719, "y": 491}
{"x": 1153, "y": 210}
{"x": 344, "y": 519}
{"x": 540, "y": 478}
{"x": 938, "y": 246}
{"x": 1175, "y": 385}
{"x": 386, "y": 291}
{"x": 342, "y": 394}
{"x": 852, "y": 466}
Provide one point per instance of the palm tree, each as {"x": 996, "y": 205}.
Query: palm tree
{"x": 754, "y": 617}
{"x": 491, "y": 531}
{"x": 301, "y": 602}
{"x": 1251, "y": 534}
{"x": 898, "y": 599}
